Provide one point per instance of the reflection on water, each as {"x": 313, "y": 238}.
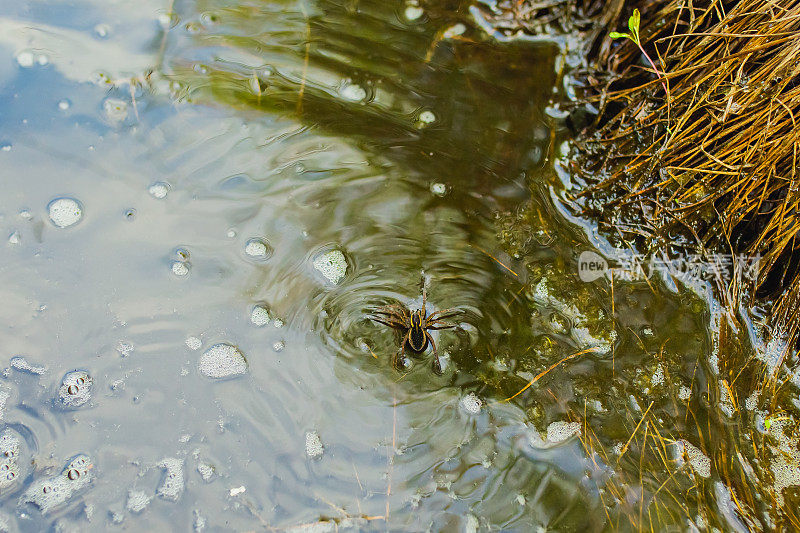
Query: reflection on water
{"x": 192, "y": 253}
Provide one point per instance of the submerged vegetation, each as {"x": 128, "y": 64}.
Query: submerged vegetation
{"x": 704, "y": 168}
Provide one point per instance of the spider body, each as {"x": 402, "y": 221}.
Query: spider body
{"x": 414, "y": 327}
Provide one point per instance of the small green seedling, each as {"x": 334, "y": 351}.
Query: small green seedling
{"x": 633, "y": 26}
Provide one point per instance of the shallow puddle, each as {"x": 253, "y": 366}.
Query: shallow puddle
{"x": 203, "y": 202}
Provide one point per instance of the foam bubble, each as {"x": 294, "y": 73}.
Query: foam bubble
{"x": 116, "y": 110}
{"x": 193, "y": 343}
{"x": 684, "y": 393}
{"x": 206, "y": 471}
{"x": 439, "y": 189}
{"x": 64, "y": 104}
{"x": 279, "y": 346}
{"x": 222, "y": 361}
{"x": 14, "y": 238}
{"x": 259, "y": 316}
{"x": 9, "y": 460}
{"x": 561, "y": 431}
{"x": 700, "y": 463}
{"x": 180, "y": 268}
{"x": 332, "y": 265}
{"x": 471, "y": 403}
{"x": 314, "y": 446}
{"x": 138, "y": 500}
{"x": 159, "y": 190}
{"x": 65, "y": 212}
{"x": 75, "y": 389}
{"x": 173, "y": 483}
{"x": 658, "y": 376}
{"x": 353, "y": 92}
{"x": 413, "y": 13}
{"x": 22, "y": 364}
{"x": 258, "y": 249}
{"x": 427, "y": 117}
{"x": 25, "y": 59}
{"x": 52, "y": 492}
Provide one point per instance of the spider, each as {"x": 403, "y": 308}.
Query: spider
{"x": 414, "y": 326}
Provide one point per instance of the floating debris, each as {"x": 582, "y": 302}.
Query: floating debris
{"x": 222, "y": 361}
{"x": 75, "y": 389}
{"x": 65, "y": 212}
{"x": 314, "y": 446}
{"x": 173, "y": 484}
{"x": 50, "y": 493}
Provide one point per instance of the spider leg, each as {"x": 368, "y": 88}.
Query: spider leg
{"x": 445, "y": 313}
{"x": 395, "y": 358}
{"x": 388, "y": 322}
{"x": 442, "y": 325}
{"x": 437, "y": 365}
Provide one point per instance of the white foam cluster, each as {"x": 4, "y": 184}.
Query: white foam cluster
{"x": 314, "y": 446}
{"x": 5, "y": 394}
{"x": 785, "y": 464}
{"x": 561, "y": 431}
{"x": 193, "y": 343}
{"x": 138, "y": 500}
{"x": 353, "y": 92}
{"x": 413, "y": 12}
{"x": 259, "y": 316}
{"x": 9, "y": 460}
{"x": 658, "y": 376}
{"x": 22, "y": 364}
{"x": 174, "y": 482}
{"x": 51, "y": 492}
{"x": 439, "y": 189}
{"x": 700, "y": 463}
{"x": 64, "y": 212}
{"x": 684, "y": 393}
{"x": 258, "y": 249}
{"x": 471, "y": 403}
{"x": 205, "y": 470}
{"x": 158, "y": 190}
{"x": 427, "y": 117}
{"x": 222, "y": 361}
{"x": 332, "y": 265}
{"x": 75, "y": 389}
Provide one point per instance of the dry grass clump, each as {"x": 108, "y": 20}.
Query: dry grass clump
{"x": 713, "y": 164}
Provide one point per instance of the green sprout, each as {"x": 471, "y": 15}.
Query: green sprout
{"x": 633, "y": 26}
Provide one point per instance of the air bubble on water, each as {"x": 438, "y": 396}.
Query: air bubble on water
{"x": 206, "y": 471}
{"x": 164, "y": 19}
{"x": 561, "y": 431}
{"x": 258, "y": 249}
{"x": 278, "y": 323}
{"x": 332, "y": 265}
{"x": 65, "y": 212}
{"x": 427, "y": 117}
{"x": 439, "y": 189}
{"x": 102, "y": 30}
{"x": 222, "y": 361}
{"x": 42, "y": 59}
{"x": 471, "y": 403}
{"x": 353, "y": 92}
{"x": 173, "y": 483}
{"x": 159, "y": 190}
{"x": 22, "y": 364}
{"x": 64, "y": 104}
{"x": 180, "y": 268}
{"x": 259, "y": 316}
{"x": 116, "y": 110}
{"x": 413, "y": 13}
{"x": 314, "y": 446}
{"x": 14, "y": 238}
{"x": 25, "y": 59}
{"x": 231, "y": 233}
{"x": 6, "y": 147}
{"x": 75, "y": 389}
{"x": 194, "y": 343}
{"x": 9, "y": 460}
{"x": 51, "y": 492}
{"x": 138, "y": 500}
{"x": 279, "y": 346}
{"x": 199, "y": 521}
{"x": 237, "y": 490}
